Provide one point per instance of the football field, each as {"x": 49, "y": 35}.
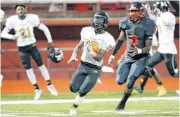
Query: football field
{"x": 95, "y": 105}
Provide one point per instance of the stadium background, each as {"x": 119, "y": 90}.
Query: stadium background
{"x": 65, "y": 21}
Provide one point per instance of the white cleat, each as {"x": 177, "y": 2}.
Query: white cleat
{"x": 38, "y": 93}
{"x": 72, "y": 111}
{"x": 52, "y": 89}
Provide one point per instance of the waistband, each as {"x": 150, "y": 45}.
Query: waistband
{"x": 91, "y": 65}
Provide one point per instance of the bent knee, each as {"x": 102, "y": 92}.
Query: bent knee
{"x": 73, "y": 88}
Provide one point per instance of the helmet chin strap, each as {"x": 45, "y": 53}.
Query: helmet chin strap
{"x": 99, "y": 31}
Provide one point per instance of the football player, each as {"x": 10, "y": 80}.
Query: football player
{"x": 137, "y": 31}
{"x": 23, "y": 25}
{"x": 167, "y": 50}
{"x": 1, "y": 18}
{"x": 139, "y": 88}
{"x": 96, "y": 42}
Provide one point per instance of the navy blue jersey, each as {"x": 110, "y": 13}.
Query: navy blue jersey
{"x": 143, "y": 30}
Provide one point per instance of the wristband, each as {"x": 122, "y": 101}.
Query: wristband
{"x": 139, "y": 50}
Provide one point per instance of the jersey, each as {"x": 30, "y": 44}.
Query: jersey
{"x": 103, "y": 41}
{"x": 143, "y": 30}
{"x": 166, "y": 26}
{"x": 24, "y": 28}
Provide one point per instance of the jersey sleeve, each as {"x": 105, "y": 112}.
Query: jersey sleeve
{"x": 122, "y": 23}
{"x": 82, "y": 34}
{"x": 36, "y": 20}
{"x": 149, "y": 28}
{"x": 9, "y": 23}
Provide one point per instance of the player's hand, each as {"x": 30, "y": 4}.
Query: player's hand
{"x": 133, "y": 51}
{"x": 111, "y": 58}
{"x": 73, "y": 58}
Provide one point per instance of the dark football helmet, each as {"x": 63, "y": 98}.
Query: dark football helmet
{"x": 161, "y": 6}
{"x": 135, "y": 11}
{"x": 100, "y": 22}
{"x": 55, "y": 55}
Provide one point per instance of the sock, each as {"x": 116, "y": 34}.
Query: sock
{"x": 48, "y": 82}
{"x": 143, "y": 82}
{"x": 44, "y": 72}
{"x": 77, "y": 101}
{"x": 36, "y": 87}
{"x": 31, "y": 76}
{"x": 124, "y": 98}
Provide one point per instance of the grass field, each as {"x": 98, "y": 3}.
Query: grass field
{"x": 95, "y": 105}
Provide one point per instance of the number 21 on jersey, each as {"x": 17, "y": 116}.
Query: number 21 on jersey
{"x": 25, "y": 32}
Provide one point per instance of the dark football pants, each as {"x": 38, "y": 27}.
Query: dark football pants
{"x": 26, "y": 52}
{"x": 130, "y": 71}
{"x": 84, "y": 79}
{"x": 170, "y": 61}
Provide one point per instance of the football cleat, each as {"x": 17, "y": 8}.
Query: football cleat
{"x": 52, "y": 89}
{"x": 72, "y": 111}
{"x": 162, "y": 91}
{"x": 38, "y": 93}
{"x": 120, "y": 107}
{"x": 138, "y": 89}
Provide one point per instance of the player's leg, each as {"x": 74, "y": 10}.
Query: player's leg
{"x": 122, "y": 72}
{"x": 153, "y": 61}
{"x": 161, "y": 89}
{"x": 171, "y": 64}
{"x": 137, "y": 69}
{"x": 37, "y": 57}
{"x": 25, "y": 58}
{"x": 89, "y": 80}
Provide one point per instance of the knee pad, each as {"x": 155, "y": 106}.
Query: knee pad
{"x": 119, "y": 81}
{"x": 39, "y": 63}
{"x": 72, "y": 88}
{"x": 82, "y": 94}
{"x": 27, "y": 66}
{"x": 131, "y": 82}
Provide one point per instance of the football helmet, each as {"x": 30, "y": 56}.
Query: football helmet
{"x": 100, "y": 22}
{"x": 160, "y": 6}
{"x": 55, "y": 55}
{"x": 135, "y": 11}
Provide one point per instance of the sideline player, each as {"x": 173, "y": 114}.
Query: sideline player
{"x": 137, "y": 31}
{"x": 23, "y": 25}
{"x": 96, "y": 42}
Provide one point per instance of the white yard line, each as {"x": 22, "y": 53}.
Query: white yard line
{"x": 55, "y": 101}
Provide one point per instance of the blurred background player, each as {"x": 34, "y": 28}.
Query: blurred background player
{"x": 1, "y": 18}
{"x": 23, "y": 25}
{"x": 139, "y": 88}
{"x": 137, "y": 31}
{"x": 167, "y": 50}
{"x": 96, "y": 42}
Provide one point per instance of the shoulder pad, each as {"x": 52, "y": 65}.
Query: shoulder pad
{"x": 124, "y": 19}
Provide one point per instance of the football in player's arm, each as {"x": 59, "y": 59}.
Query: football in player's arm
{"x": 96, "y": 42}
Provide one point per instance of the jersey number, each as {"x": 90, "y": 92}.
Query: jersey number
{"x": 25, "y": 33}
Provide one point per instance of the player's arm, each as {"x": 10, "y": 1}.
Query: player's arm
{"x": 118, "y": 45}
{"x": 47, "y": 33}
{"x": 76, "y": 51}
{"x": 5, "y": 33}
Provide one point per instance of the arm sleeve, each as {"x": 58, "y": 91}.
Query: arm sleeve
{"x": 122, "y": 23}
{"x": 36, "y": 21}
{"x": 150, "y": 28}
{"x": 9, "y": 24}
{"x": 5, "y": 34}
{"x": 82, "y": 34}
{"x": 46, "y": 32}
